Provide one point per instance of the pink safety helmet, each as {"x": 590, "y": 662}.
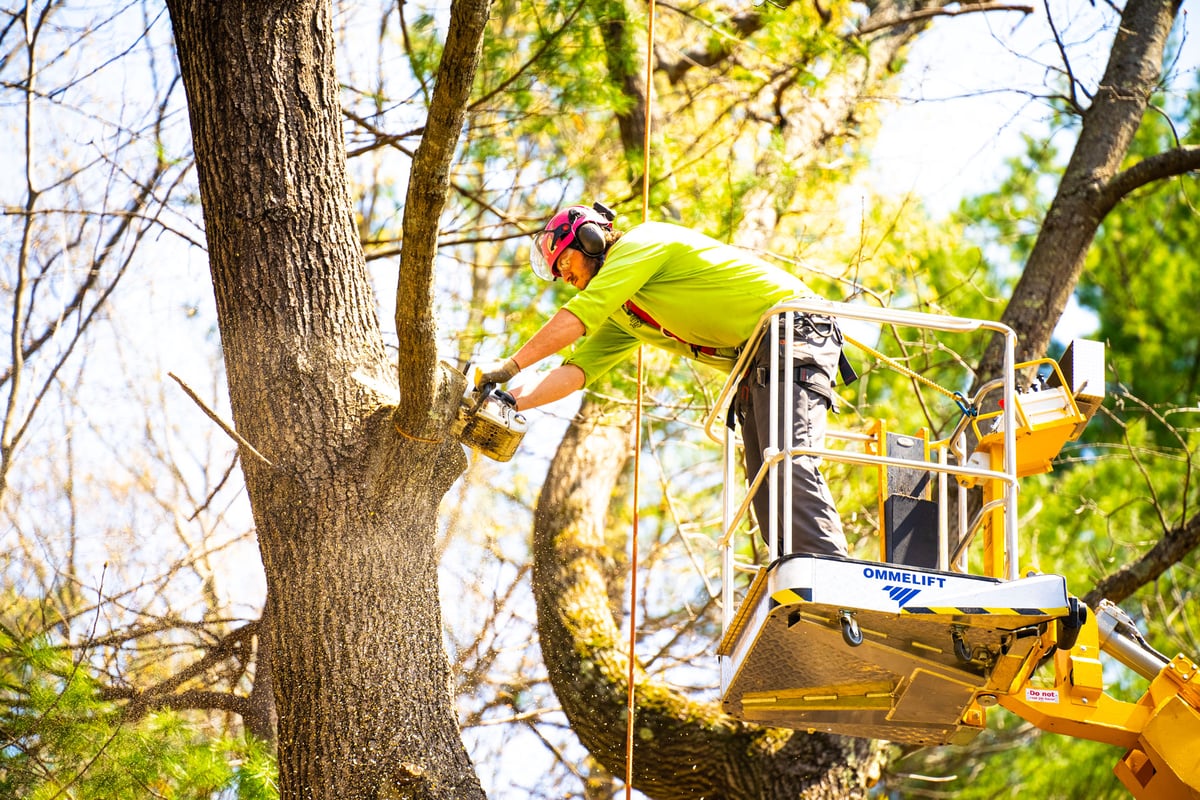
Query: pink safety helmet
{"x": 577, "y": 226}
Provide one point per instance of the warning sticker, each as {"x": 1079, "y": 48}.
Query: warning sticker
{"x": 1041, "y": 695}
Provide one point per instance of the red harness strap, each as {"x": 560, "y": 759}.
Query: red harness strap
{"x": 641, "y": 314}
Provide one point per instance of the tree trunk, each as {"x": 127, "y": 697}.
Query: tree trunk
{"x": 683, "y": 749}
{"x": 1079, "y": 206}
{"x": 345, "y": 509}
{"x": 428, "y": 400}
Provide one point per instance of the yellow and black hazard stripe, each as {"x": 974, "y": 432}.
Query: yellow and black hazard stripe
{"x": 786, "y": 597}
{"x": 982, "y": 611}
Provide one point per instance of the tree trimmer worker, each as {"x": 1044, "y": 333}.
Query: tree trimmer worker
{"x": 676, "y": 289}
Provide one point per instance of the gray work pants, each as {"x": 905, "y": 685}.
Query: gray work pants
{"x": 816, "y": 347}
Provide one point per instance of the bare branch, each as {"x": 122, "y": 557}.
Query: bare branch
{"x": 224, "y": 649}
{"x": 382, "y": 138}
{"x": 930, "y": 13}
{"x": 194, "y": 699}
{"x": 547, "y": 46}
{"x": 233, "y": 434}
{"x": 1072, "y": 81}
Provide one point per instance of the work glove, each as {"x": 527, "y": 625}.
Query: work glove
{"x": 496, "y": 372}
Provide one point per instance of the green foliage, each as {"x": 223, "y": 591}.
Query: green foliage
{"x": 58, "y": 738}
{"x": 424, "y": 46}
{"x": 1058, "y": 767}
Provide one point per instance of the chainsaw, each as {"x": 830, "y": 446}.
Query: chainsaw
{"x": 488, "y": 422}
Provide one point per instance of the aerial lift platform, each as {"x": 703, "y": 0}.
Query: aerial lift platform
{"x": 915, "y": 648}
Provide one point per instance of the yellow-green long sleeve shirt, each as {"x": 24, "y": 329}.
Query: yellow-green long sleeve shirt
{"x": 703, "y": 291}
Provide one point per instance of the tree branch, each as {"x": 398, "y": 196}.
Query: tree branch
{"x": 222, "y": 424}
{"x": 686, "y": 748}
{"x": 164, "y": 694}
{"x": 422, "y": 414}
{"x": 141, "y": 704}
{"x": 1066, "y": 234}
{"x": 225, "y": 648}
{"x": 382, "y": 138}
{"x": 930, "y": 13}
{"x": 548, "y": 45}
{"x": 1179, "y": 161}
{"x": 1167, "y": 551}
{"x": 743, "y": 23}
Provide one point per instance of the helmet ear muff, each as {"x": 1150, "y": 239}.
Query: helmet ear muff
{"x": 590, "y": 238}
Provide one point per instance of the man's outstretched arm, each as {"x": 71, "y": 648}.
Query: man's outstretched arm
{"x": 554, "y": 385}
{"x": 562, "y": 329}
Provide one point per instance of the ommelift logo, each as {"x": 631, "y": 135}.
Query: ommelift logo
{"x": 900, "y": 582}
{"x": 901, "y": 594}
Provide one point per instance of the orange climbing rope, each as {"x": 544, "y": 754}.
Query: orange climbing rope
{"x": 637, "y": 428}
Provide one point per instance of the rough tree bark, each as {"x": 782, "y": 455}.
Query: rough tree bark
{"x": 345, "y": 500}
{"x": 683, "y": 749}
{"x": 421, "y": 376}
